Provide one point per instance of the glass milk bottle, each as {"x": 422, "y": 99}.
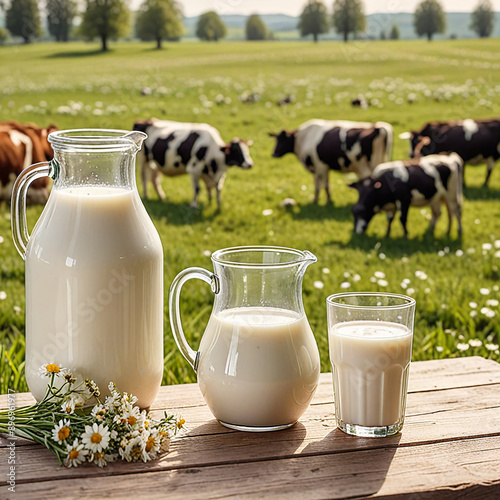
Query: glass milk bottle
{"x": 94, "y": 267}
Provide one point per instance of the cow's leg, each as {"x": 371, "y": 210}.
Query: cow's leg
{"x": 327, "y": 189}
{"x": 436, "y": 212}
{"x": 454, "y": 209}
{"x": 155, "y": 177}
{"x": 405, "y": 206}
{"x": 218, "y": 188}
{"x": 196, "y": 189}
{"x": 316, "y": 188}
{"x": 490, "y": 164}
{"x": 390, "y": 218}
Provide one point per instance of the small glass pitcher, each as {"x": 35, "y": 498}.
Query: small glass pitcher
{"x": 258, "y": 362}
{"x": 94, "y": 267}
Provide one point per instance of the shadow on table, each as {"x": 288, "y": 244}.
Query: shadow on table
{"x": 355, "y": 466}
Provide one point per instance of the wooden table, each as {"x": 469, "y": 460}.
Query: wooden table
{"x": 450, "y": 445}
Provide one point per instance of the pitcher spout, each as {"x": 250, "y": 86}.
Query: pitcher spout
{"x": 136, "y": 137}
{"x": 308, "y": 259}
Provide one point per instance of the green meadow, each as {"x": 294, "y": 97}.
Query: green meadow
{"x": 455, "y": 281}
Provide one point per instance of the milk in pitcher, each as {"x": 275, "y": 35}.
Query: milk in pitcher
{"x": 94, "y": 291}
{"x": 259, "y": 366}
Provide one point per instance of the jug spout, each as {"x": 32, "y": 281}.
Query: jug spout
{"x": 136, "y": 137}
{"x": 308, "y": 259}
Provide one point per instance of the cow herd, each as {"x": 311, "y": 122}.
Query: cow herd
{"x": 431, "y": 177}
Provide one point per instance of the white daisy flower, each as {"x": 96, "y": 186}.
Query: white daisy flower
{"x": 96, "y": 437}
{"x": 421, "y": 275}
{"x": 356, "y": 278}
{"x": 319, "y": 285}
{"x": 491, "y": 347}
{"x": 3, "y": 295}
{"x": 382, "y": 283}
{"x": 379, "y": 274}
{"x": 325, "y": 270}
{"x": 410, "y": 291}
{"x": 487, "y": 246}
{"x": 99, "y": 412}
{"x": 484, "y": 291}
{"x": 267, "y": 211}
{"x": 76, "y": 454}
{"x": 492, "y": 302}
{"x": 472, "y": 305}
{"x": 345, "y": 285}
{"x": 51, "y": 369}
{"x": 462, "y": 346}
{"x": 98, "y": 458}
{"x": 382, "y": 256}
{"x": 61, "y": 431}
{"x": 459, "y": 253}
{"x": 68, "y": 406}
{"x": 475, "y": 343}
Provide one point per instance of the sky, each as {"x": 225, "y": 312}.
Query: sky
{"x": 294, "y": 7}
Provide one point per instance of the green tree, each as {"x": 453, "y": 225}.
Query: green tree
{"x": 429, "y": 19}
{"x": 394, "y": 34}
{"x": 483, "y": 19}
{"x": 105, "y": 19}
{"x": 60, "y": 14}
{"x": 210, "y": 27}
{"x": 23, "y": 19}
{"x": 159, "y": 20}
{"x": 4, "y": 35}
{"x": 348, "y": 17}
{"x": 313, "y": 20}
{"x": 255, "y": 28}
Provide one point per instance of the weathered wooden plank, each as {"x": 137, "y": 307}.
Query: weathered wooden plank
{"x": 433, "y": 470}
{"x": 431, "y": 417}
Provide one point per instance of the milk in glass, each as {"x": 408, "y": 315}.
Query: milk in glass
{"x": 94, "y": 291}
{"x": 259, "y": 366}
{"x": 370, "y": 364}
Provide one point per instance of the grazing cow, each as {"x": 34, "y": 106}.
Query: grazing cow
{"x": 346, "y": 146}
{"x": 475, "y": 141}
{"x": 20, "y": 146}
{"x": 430, "y": 180}
{"x": 176, "y": 148}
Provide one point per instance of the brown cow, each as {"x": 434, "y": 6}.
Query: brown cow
{"x": 20, "y": 146}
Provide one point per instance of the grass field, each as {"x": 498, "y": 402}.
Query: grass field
{"x": 454, "y": 281}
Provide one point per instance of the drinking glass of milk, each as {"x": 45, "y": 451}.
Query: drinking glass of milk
{"x": 94, "y": 267}
{"x": 370, "y": 339}
{"x": 258, "y": 363}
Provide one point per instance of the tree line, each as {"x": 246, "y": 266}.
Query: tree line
{"x": 159, "y": 20}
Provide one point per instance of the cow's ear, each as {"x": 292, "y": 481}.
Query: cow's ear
{"x": 226, "y": 149}
{"x": 290, "y": 133}
{"x": 377, "y": 185}
{"x": 354, "y": 185}
{"x": 425, "y": 140}
{"x": 272, "y": 134}
{"x": 249, "y": 143}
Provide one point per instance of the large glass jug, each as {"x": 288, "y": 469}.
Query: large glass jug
{"x": 94, "y": 266}
{"x": 258, "y": 363}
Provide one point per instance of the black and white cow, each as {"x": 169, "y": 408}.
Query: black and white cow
{"x": 346, "y": 146}
{"x": 197, "y": 149}
{"x": 430, "y": 180}
{"x": 476, "y": 141}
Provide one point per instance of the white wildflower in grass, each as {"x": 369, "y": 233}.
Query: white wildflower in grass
{"x": 487, "y": 246}
{"x": 439, "y": 348}
{"x": 497, "y": 244}
{"x": 347, "y": 274}
{"x": 61, "y": 431}
{"x": 461, "y": 346}
{"x": 421, "y": 275}
{"x": 267, "y": 211}
{"x": 472, "y": 305}
{"x": 441, "y": 253}
{"x": 473, "y": 314}
{"x": 325, "y": 270}
{"x": 207, "y": 253}
{"x": 404, "y": 259}
{"x": 451, "y": 332}
{"x": 403, "y": 285}
{"x": 489, "y": 313}
{"x": 76, "y": 454}
{"x": 491, "y": 347}
{"x": 345, "y": 285}
{"x": 3, "y": 295}
{"x": 1, "y": 240}
{"x": 112, "y": 429}
{"x": 17, "y": 309}
{"x": 382, "y": 283}
{"x": 356, "y": 278}
{"x": 382, "y": 256}
{"x": 459, "y": 253}
{"x": 471, "y": 251}
{"x": 484, "y": 291}
{"x": 475, "y": 343}
{"x": 379, "y": 274}
{"x": 410, "y": 291}
{"x": 477, "y": 222}
{"x": 319, "y": 285}
{"x": 492, "y": 302}
{"x": 497, "y": 254}
{"x": 427, "y": 290}
{"x": 373, "y": 279}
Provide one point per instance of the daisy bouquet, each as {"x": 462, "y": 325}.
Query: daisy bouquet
{"x": 78, "y": 425}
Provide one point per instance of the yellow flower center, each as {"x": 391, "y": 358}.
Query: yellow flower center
{"x": 96, "y": 438}
{"x": 180, "y": 423}
{"x": 131, "y": 420}
{"x": 63, "y": 433}
{"x": 150, "y": 443}
{"x": 73, "y": 454}
{"x": 52, "y": 368}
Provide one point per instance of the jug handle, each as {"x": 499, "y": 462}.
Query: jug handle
{"x": 20, "y": 233}
{"x": 175, "y": 313}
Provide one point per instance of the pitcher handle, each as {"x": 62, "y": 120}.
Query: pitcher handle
{"x": 175, "y": 313}
{"x": 20, "y": 233}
